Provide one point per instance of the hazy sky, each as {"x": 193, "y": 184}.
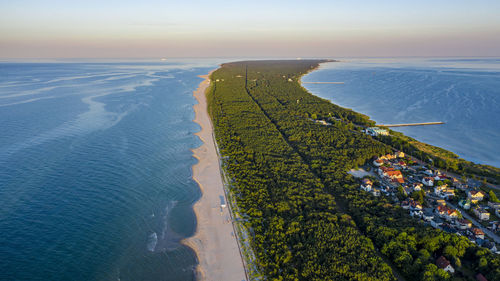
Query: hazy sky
{"x": 217, "y": 28}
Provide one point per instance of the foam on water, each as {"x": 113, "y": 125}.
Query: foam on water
{"x": 95, "y": 170}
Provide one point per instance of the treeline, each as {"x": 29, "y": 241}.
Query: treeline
{"x": 308, "y": 220}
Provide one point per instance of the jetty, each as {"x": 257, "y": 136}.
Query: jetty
{"x": 322, "y": 82}
{"x": 411, "y": 124}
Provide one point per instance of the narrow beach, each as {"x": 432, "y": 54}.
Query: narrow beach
{"x": 214, "y": 241}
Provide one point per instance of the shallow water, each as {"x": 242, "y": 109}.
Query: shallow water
{"x": 463, "y": 93}
{"x": 95, "y": 170}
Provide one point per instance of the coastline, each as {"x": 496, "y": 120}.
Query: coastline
{"x": 442, "y": 139}
{"x": 214, "y": 241}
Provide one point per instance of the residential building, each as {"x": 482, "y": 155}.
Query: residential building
{"x": 366, "y": 185}
{"x": 464, "y": 204}
{"x": 441, "y": 202}
{"x": 428, "y": 214}
{"x": 436, "y": 222}
{"x": 475, "y": 196}
{"x": 464, "y": 224}
{"x": 416, "y": 186}
{"x": 375, "y": 131}
{"x": 378, "y": 162}
{"x": 444, "y": 264}
{"x": 481, "y": 213}
{"x": 478, "y": 233}
{"x": 480, "y": 277}
{"x": 428, "y": 181}
{"x": 447, "y": 213}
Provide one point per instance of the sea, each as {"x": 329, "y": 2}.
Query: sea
{"x": 462, "y": 92}
{"x": 95, "y": 156}
{"x": 95, "y": 169}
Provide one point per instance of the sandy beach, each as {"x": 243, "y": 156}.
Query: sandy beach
{"x": 214, "y": 241}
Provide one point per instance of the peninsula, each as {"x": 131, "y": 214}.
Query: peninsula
{"x": 287, "y": 154}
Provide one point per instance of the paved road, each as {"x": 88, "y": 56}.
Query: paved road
{"x": 486, "y": 231}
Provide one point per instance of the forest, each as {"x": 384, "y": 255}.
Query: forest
{"x": 307, "y": 218}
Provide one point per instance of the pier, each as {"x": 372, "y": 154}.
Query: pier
{"x": 322, "y": 82}
{"x": 411, "y": 124}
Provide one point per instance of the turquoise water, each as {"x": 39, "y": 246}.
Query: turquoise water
{"x": 464, "y": 93}
{"x": 95, "y": 170}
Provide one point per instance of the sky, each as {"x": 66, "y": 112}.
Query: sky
{"x": 219, "y": 28}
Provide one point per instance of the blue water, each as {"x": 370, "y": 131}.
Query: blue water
{"x": 464, "y": 93}
{"x": 95, "y": 170}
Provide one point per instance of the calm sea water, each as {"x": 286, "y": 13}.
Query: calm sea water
{"x": 464, "y": 93}
{"x": 95, "y": 170}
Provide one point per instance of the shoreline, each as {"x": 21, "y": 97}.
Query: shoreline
{"x": 214, "y": 241}
{"x": 472, "y": 163}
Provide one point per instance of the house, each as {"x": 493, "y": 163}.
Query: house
{"x": 401, "y": 163}
{"x": 429, "y": 172}
{"x": 481, "y": 213}
{"x": 428, "y": 214}
{"x": 366, "y": 185}
{"x": 378, "y": 162}
{"x": 448, "y": 228}
{"x": 394, "y": 174}
{"x": 463, "y": 224}
{"x": 376, "y": 192}
{"x": 444, "y": 264}
{"x": 382, "y": 170}
{"x": 398, "y": 180}
{"x": 480, "y": 277}
{"x": 478, "y": 233}
{"x": 405, "y": 205}
{"x": 400, "y": 154}
{"x": 416, "y": 213}
{"x": 428, "y": 181}
{"x": 415, "y": 206}
{"x": 390, "y": 156}
{"x": 375, "y": 131}
{"x": 411, "y": 205}
{"x": 464, "y": 203}
{"x": 475, "y": 196}
{"x": 494, "y": 205}
{"x": 417, "y": 186}
{"x": 441, "y": 202}
{"x": 490, "y": 246}
{"x": 447, "y": 213}
{"x": 444, "y": 191}
{"x": 436, "y": 222}
{"x": 448, "y": 193}
{"x": 455, "y": 182}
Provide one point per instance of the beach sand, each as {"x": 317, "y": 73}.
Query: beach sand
{"x": 214, "y": 241}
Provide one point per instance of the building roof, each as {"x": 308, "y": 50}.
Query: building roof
{"x": 386, "y": 169}
{"x": 477, "y": 231}
{"x": 480, "y": 277}
{"x": 476, "y": 193}
{"x": 442, "y": 262}
{"x": 464, "y": 221}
